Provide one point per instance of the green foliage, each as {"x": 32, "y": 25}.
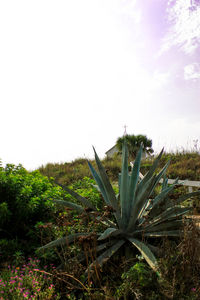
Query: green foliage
{"x": 4, "y": 213}
{"x": 134, "y": 142}
{"x": 8, "y": 247}
{"x": 86, "y": 188}
{"x": 138, "y": 280}
{"x": 140, "y": 274}
{"x": 25, "y": 199}
{"x": 136, "y": 215}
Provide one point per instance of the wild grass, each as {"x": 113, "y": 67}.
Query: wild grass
{"x": 69, "y": 172}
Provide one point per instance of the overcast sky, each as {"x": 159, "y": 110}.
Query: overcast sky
{"x": 74, "y": 72}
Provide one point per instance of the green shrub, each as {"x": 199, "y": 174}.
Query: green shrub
{"x": 86, "y": 188}
{"x": 138, "y": 280}
{"x": 25, "y": 199}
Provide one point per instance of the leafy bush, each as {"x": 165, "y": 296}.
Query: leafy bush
{"x": 86, "y": 188}
{"x": 25, "y": 199}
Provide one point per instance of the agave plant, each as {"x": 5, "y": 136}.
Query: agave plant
{"x": 138, "y": 215}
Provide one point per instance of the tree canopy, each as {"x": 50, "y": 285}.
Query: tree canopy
{"x": 134, "y": 142}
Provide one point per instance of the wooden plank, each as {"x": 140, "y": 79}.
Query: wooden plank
{"x": 184, "y": 182}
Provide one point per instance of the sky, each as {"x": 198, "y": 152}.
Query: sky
{"x": 74, "y": 73}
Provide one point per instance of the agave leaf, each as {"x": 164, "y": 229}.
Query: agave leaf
{"x": 125, "y": 206}
{"x": 147, "y": 202}
{"x": 64, "y": 241}
{"x": 104, "y": 257}
{"x": 106, "y": 222}
{"x": 159, "y": 176}
{"x": 181, "y": 199}
{"x": 140, "y": 201}
{"x": 164, "y": 193}
{"x": 82, "y": 256}
{"x": 99, "y": 183}
{"x": 151, "y": 171}
{"x": 134, "y": 180}
{"x": 165, "y": 183}
{"x": 97, "y": 249}
{"x": 119, "y": 181}
{"x": 81, "y": 199}
{"x": 142, "y": 198}
{"x": 164, "y": 233}
{"x": 96, "y": 187}
{"x": 108, "y": 233}
{"x": 104, "y": 245}
{"x": 156, "y": 181}
{"x": 146, "y": 253}
{"x": 108, "y": 189}
{"x": 175, "y": 224}
{"x": 169, "y": 214}
{"x": 158, "y": 204}
{"x": 69, "y": 204}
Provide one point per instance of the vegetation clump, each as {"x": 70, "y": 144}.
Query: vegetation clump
{"x": 134, "y": 142}
{"x": 29, "y": 219}
{"x": 25, "y": 200}
{"x": 136, "y": 214}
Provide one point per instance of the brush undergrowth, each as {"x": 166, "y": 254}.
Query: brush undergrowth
{"x": 128, "y": 276}
{"x": 124, "y": 276}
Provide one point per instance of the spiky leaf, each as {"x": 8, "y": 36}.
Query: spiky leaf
{"x": 146, "y": 253}
{"x": 104, "y": 257}
{"x": 65, "y": 241}
{"x": 125, "y": 205}
{"x": 108, "y": 233}
{"x": 81, "y": 199}
{"x": 69, "y": 204}
{"x": 134, "y": 180}
{"x": 175, "y": 233}
{"x": 108, "y": 189}
{"x": 100, "y": 184}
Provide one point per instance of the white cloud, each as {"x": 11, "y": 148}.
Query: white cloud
{"x": 184, "y": 22}
{"x": 192, "y": 71}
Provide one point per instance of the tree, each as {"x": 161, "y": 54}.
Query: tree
{"x": 134, "y": 142}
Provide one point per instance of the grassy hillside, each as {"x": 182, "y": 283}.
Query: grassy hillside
{"x": 185, "y": 165}
{"x": 69, "y": 172}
